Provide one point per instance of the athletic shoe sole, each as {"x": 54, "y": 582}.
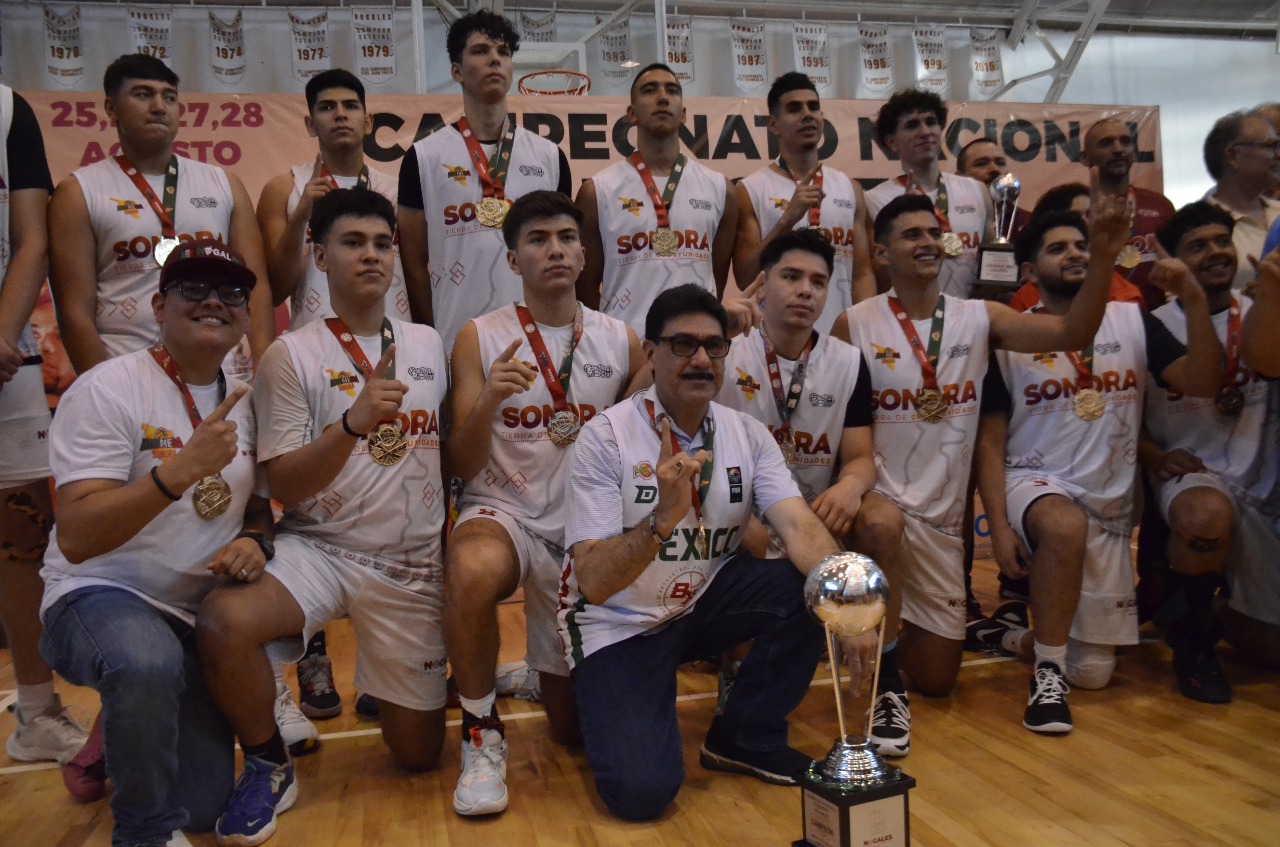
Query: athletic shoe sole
{"x": 715, "y": 762}
{"x": 317, "y": 714}
{"x": 490, "y": 807}
{"x": 287, "y": 800}
{"x": 1052, "y": 728}
{"x": 892, "y": 749}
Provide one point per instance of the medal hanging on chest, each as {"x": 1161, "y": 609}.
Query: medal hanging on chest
{"x": 786, "y": 403}
{"x": 164, "y": 209}
{"x": 665, "y": 242}
{"x": 212, "y": 495}
{"x": 563, "y": 428}
{"x": 1130, "y": 255}
{"x": 931, "y": 403}
{"x": 492, "y": 208}
{"x": 387, "y": 444}
{"x": 951, "y": 243}
{"x": 700, "y": 487}
{"x": 1229, "y": 400}
{"x": 1088, "y": 404}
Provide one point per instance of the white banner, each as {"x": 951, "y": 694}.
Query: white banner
{"x": 63, "y": 50}
{"x": 931, "y": 58}
{"x": 310, "y": 42}
{"x": 535, "y": 30}
{"x": 615, "y": 51}
{"x": 877, "y": 58}
{"x": 372, "y": 29}
{"x": 988, "y": 72}
{"x": 151, "y": 31}
{"x": 680, "y": 47}
{"x": 813, "y": 57}
{"x": 226, "y": 46}
{"x": 750, "y": 65}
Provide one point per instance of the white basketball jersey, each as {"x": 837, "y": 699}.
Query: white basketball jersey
{"x": 1093, "y": 460}
{"x": 770, "y": 192}
{"x": 310, "y": 301}
{"x": 967, "y": 214}
{"x": 469, "y": 271}
{"x": 634, "y": 275}
{"x": 1229, "y": 446}
{"x": 922, "y": 466}
{"x": 675, "y": 578}
{"x": 396, "y": 512}
{"x": 525, "y": 474}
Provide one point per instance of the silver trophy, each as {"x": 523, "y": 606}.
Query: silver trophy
{"x": 996, "y": 265}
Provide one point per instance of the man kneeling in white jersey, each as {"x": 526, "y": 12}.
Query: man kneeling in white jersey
{"x": 1065, "y": 468}
{"x": 353, "y": 453}
{"x": 527, "y": 377}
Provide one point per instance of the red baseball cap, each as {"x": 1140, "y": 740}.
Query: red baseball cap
{"x": 206, "y": 259}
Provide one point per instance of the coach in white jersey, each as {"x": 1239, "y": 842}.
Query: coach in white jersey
{"x": 910, "y": 125}
{"x": 657, "y": 219}
{"x": 927, "y": 353}
{"x": 114, "y": 222}
{"x": 457, "y": 184}
{"x": 1055, "y": 465}
{"x": 797, "y": 191}
{"x": 660, "y": 489}
{"x": 154, "y": 457}
{"x": 352, "y": 450}
{"x": 526, "y": 378}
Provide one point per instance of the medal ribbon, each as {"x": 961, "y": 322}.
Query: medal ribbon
{"x": 1233, "y": 343}
{"x": 786, "y": 405}
{"x": 815, "y": 212}
{"x": 700, "y": 490}
{"x": 928, "y": 361}
{"x": 557, "y": 383}
{"x": 362, "y": 181}
{"x": 660, "y": 201}
{"x": 1082, "y": 361}
{"x": 166, "y": 363}
{"x": 492, "y": 181}
{"x": 941, "y": 206}
{"x": 356, "y": 355}
{"x": 164, "y": 211}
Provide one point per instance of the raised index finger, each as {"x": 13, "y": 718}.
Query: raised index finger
{"x": 225, "y": 407}
{"x": 813, "y": 172}
{"x": 510, "y": 352}
{"x": 664, "y": 438}
{"x": 753, "y": 290}
{"x": 317, "y": 170}
{"x": 384, "y": 364}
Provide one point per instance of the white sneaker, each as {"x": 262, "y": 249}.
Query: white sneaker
{"x": 518, "y": 680}
{"x": 300, "y": 735}
{"x": 482, "y": 787}
{"x": 54, "y": 736}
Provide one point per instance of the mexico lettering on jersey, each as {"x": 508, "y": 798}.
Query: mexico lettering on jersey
{"x": 525, "y": 474}
{"x": 393, "y": 513}
{"x": 1229, "y": 446}
{"x": 770, "y": 192}
{"x": 634, "y": 275}
{"x": 310, "y": 301}
{"x": 468, "y": 260}
{"x": 922, "y": 466}
{"x": 967, "y": 213}
{"x": 676, "y": 576}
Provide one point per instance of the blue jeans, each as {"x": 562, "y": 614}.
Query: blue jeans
{"x": 626, "y": 692}
{"x": 170, "y": 753}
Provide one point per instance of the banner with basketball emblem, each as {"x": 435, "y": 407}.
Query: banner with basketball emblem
{"x": 226, "y": 46}
{"x": 750, "y": 64}
{"x": 877, "y": 58}
{"x": 63, "y": 49}
{"x": 151, "y": 30}
{"x": 931, "y": 58}
{"x": 813, "y": 56}
{"x": 988, "y": 71}
{"x": 310, "y": 42}
{"x": 680, "y": 47}
{"x": 372, "y": 30}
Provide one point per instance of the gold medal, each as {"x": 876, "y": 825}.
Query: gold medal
{"x": 1229, "y": 401}
{"x": 788, "y": 447}
{"x": 212, "y": 497}
{"x": 563, "y": 428}
{"x": 492, "y": 212}
{"x": 163, "y": 248}
{"x": 931, "y": 405}
{"x": 1089, "y": 404}
{"x": 821, "y": 233}
{"x": 700, "y": 545}
{"x": 665, "y": 242}
{"x": 951, "y": 244}
{"x": 387, "y": 444}
{"x": 1129, "y": 257}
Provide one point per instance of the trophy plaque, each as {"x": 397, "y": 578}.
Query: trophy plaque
{"x": 996, "y": 264}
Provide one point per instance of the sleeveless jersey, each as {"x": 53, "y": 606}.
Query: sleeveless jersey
{"x": 394, "y": 513}
{"x": 1093, "y": 460}
{"x": 922, "y": 466}
{"x": 634, "y": 275}
{"x": 525, "y": 474}
{"x": 770, "y": 191}
{"x": 310, "y": 301}
{"x": 672, "y": 582}
{"x": 967, "y": 213}
{"x": 468, "y": 260}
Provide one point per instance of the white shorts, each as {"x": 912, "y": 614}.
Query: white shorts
{"x": 933, "y": 579}
{"x": 396, "y": 611}
{"x": 1253, "y": 567}
{"x": 540, "y": 568}
{"x": 25, "y": 457}
{"x": 1168, "y": 490}
{"x": 1107, "y": 612}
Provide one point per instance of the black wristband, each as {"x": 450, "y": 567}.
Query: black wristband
{"x": 346, "y": 427}
{"x": 155, "y": 477}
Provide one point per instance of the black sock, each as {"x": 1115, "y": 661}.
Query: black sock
{"x": 890, "y": 680}
{"x": 469, "y": 720}
{"x": 316, "y": 646}
{"x": 272, "y": 751}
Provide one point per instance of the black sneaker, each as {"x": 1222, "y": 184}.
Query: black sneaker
{"x": 987, "y": 635}
{"x": 1047, "y": 709}
{"x": 1200, "y": 677}
{"x": 367, "y": 707}
{"x": 776, "y": 767}
{"x": 316, "y": 694}
{"x": 891, "y": 724}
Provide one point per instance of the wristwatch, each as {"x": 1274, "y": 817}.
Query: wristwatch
{"x": 653, "y": 529}
{"x": 264, "y": 543}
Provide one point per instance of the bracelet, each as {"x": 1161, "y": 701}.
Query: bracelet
{"x": 155, "y": 477}
{"x": 346, "y": 427}
{"x": 653, "y": 528}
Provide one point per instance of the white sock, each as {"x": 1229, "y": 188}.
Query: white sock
{"x": 479, "y": 709}
{"x": 278, "y": 670}
{"x": 35, "y": 700}
{"x": 1057, "y": 655}
{"x": 1011, "y": 641}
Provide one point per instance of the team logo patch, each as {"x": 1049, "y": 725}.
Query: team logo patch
{"x": 1106, "y": 348}
{"x": 735, "y": 484}
{"x": 644, "y": 470}
{"x": 887, "y": 356}
{"x": 421, "y": 373}
{"x": 646, "y": 493}
{"x": 965, "y": 210}
{"x": 488, "y": 513}
{"x": 700, "y": 205}
{"x": 457, "y": 174}
{"x": 162, "y": 443}
{"x": 779, "y": 202}
{"x": 1045, "y": 359}
{"x": 129, "y": 207}
{"x": 532, "y": 170}
{"x": 597, "y": 371}
{"x": 204, "y": 202}
{"x": 747, "y": 383}
{"x": 681, "y": 589}
{"x": 822, "y": 401}
{"x": 842, "y": 203}
{"x": 632, "y": 205}
{"x": 959, "y": 351}
{"x": 342, "y": 380}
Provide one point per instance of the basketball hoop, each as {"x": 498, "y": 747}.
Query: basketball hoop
{"x": 555, "y": 83}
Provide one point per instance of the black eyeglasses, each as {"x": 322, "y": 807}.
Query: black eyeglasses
{"x": 1270, "y": 146}
{"x": 686, "y": 346}
{"x": 197, "y": 290}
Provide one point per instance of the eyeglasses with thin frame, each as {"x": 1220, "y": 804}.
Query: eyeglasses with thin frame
{"x": 1272, "y": 146}
{"x": 196, "y": 290}
{"x": 686, "y": 346}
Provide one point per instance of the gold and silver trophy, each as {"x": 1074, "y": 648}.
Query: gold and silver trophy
{"x": 852, "y": 796}
{"x": 996, "y": 264}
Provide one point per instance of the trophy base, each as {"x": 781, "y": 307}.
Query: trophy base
{"x": 997, "y": 265}
{"x": 869, "y": 802}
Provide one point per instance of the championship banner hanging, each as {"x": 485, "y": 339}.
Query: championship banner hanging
{"x": 931, "y": 58}
{"x": 63, "y": 50}
{"x": 680, "y": 46}
{"x": 535, "y": 30}
{"x": 226, "y": 47}
{"x": 372, "y": 29}
{"x": 151, "y": 30}
{"x": 310, "y": 42}
{"x": 615, "y": 51}
{"x": 750, "y": 65}
{"x": 812, "y": 54}
{"x": 988, "y": 72}
{"x": 877, "y": 58}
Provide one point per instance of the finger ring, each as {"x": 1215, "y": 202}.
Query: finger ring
{"x": 244, "y": 574}
{"x": 679, "y": 465}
